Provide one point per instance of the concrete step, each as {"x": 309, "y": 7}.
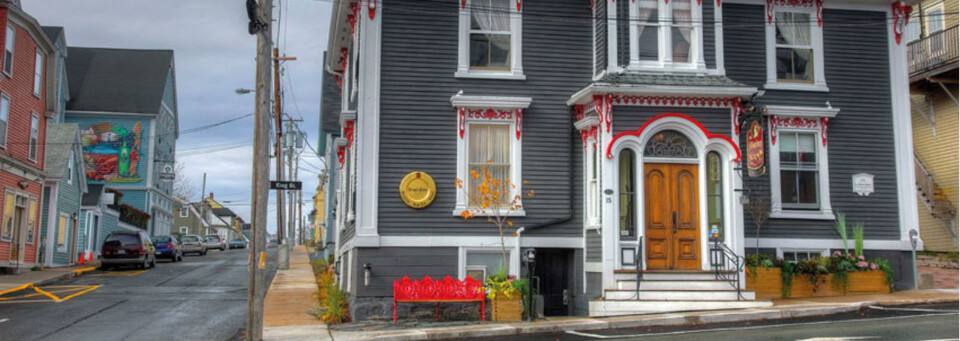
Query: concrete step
{"x": 633, "y": 307}
{"x": 678, "y": 295}
{"x": 648, "y": 284}
{"x": 666, "y": 275}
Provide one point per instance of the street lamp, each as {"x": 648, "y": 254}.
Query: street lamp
{"x": 914, "y": 236}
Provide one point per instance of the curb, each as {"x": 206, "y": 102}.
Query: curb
{"x": 494, "y": 330}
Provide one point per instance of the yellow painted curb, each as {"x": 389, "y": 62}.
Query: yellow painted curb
{"x": 16, "y": 289}
{"x": 79, "y": 272}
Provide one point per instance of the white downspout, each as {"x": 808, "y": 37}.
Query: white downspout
{"x": 519, "y": 231}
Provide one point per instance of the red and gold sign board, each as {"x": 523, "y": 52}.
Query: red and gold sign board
{"x": 755, "y": 155}
{"x": 418, "y": 190}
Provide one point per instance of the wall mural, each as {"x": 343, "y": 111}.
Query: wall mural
{"x": 112, "y": 152}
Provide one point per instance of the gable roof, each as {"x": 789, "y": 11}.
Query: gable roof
{"x": 223, "y": 212}
{"x": 117, "y": 80}
{"x": 63, "y": 137}
{"x": 53, "y": 32}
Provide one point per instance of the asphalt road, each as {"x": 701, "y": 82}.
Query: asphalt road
{"x": 200, "y": 298}
{"x": 920, "y": 322}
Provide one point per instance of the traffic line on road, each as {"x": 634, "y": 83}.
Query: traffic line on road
{"x": 599, "y": 336}
{"x": 15, "y": 289}
{"x": 921, "y": 310}
{"x": 50, "y": 292}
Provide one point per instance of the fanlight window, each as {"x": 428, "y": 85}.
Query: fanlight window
{"x": 671, "y": 144}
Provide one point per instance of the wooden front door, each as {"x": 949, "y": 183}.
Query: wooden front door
{"x": 672, "y": 217}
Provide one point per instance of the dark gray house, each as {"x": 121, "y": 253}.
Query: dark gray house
{"x": 631, "y": 121}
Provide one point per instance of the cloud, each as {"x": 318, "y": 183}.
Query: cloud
{"x": 214, "y": 56}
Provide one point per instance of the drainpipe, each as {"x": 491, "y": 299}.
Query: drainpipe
{"x": 517, "y": 233}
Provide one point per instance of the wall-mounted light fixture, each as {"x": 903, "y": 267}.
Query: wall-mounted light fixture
{"x": 367, "y": 267}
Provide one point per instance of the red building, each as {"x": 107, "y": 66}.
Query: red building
{"x": 24, "y": 109}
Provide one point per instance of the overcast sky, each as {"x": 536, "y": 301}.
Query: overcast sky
{"x": 214, "y": 56}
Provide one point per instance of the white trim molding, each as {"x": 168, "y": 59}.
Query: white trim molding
{"x": 368, "y": 126}
{"x": 817, "y": 244}
{"x": 490, "y": 110}
{"x": 809, "y": 125}
{"x": 819, "y": 83}
{"x": 902, "y": 136}
{"x": 516, "y": 47}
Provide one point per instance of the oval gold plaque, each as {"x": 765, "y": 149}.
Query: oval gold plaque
{"x": 418, "y": 190}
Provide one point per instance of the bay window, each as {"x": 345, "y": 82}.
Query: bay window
{"x": 666, "y": 35}
{"x": 490, "y": 35}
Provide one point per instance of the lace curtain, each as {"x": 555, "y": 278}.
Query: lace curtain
{"x": 493, "y": 17}
{"x": 682, "y": 21}
{"x": 489, "y": 148}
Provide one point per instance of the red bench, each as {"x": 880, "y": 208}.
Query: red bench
{"x": 444, "y": 291}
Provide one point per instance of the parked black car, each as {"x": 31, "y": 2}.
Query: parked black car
{"x": 127, "y": 248}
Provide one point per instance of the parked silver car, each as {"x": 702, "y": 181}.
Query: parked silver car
{"x": 213, "y": 241}
{"x": 193, "y": 244}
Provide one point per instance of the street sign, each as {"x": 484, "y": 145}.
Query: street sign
{"x": 286, "y": 185}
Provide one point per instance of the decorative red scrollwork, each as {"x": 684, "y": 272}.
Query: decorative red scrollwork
{"x": 578, "y": 111}
{"x": 348, "y": 128}
{"x": 341, "y": 154}
{"x": 518, "y": 122}
{"x": 489, "y": 114}
{"x": 818, "y": 4}
{"x": 674, "y": 115}
{"x": 777, "y": 122}
{"x": 519, "y": 5}
{"x": 463, "y": 4}
{"x": 734, "y": 103}
{"x": 587, "y": 134}
{"x": 823, "y": 130}
{"x": 461, "y": 121}
{"x": 901, "y": 16}
{"x": 372, "y": 8}
{"x": 603, "y": 105}
{"x": 446, "y": 290}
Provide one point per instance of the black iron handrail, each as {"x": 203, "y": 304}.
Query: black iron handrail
{"x": 727, "y": 265}
{"x": 639, "y": 264}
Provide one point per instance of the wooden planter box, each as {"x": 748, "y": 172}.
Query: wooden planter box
{"x": 506, "y": 310}
{"x": 767, "y": 283}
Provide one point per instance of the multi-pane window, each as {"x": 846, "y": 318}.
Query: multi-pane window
{"x": 70, "y": 168}
{"x": 490, "y": 34}
{"x": 794, "y": 47}
{"x": 665, "y": 34}
{"x": 34, "y": 136}
{"x": 62, "y": 232}
{"x": 8, "y": 50}
{"x": 9, "y": 206}
{"x": 715, "y": 193}
{"x": 627, "y": 189}
{"x": 795, "y": 256}
{"x": 37, "y": 73}
{"x": 489, "y": 149}
{"x": 184, "y": 211}
{"x": 799, "y": 171}
{"x": 593, "y": 186}
{"x": 4, "y": 119}
{"x": 31, "y": 220}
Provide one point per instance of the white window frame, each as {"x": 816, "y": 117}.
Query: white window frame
{"x": 34, "y": 150}
{"x": 38, "y": 73}
{"x": 11, "y": 37}
{"x": 912, "y": 31}
{"x": 66, "y": 232}
{"x": 665, "y": 61}
{"x": 929, "y": 18}
{"x": 782, "y": 251}
{"x": 184, "y": 229}
{"x": 497, "y": 103}
{"x": 825, "y": 211}
{"x": 512, "y": 258}
{"x": 819, "y": 83}
{"x": 184, "y": 212}
{"x": 591, "y": 183}
{"x": 71, "y": 159}
{"x": 5, "y": 117}
{"x": 516, "y": 44}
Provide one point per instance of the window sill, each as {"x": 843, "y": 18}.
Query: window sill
{"x": 796, "y": 87}
{"x": 808, "y": 215}
{"x": 491, "y": 75}
{"x": 490, "y": 213}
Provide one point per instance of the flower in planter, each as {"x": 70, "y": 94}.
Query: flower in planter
{"x": 861, "y": 257}
{"x": 873, "y": 266}
{"x": 862, "y": 264}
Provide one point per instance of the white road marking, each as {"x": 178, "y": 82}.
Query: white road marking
{"x": 4, "y": 320}
{"x": 840, "y": 338}
{"x": 597, "y": 336}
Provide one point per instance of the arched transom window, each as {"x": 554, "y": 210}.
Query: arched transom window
{"x": 670, "y": 144}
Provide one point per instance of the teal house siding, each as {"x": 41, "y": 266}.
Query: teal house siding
{"x": 63, "y": 190}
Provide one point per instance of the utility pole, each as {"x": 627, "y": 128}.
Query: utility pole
{"x": 284, "y": 252}
{"x": 203, "y": 191}
{"x": 260, "y": 20}
{"x": 292, "y": 144}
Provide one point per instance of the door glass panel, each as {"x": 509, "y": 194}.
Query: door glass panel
{"x": 627, "y": 194}
{"x": 670, "y": 143}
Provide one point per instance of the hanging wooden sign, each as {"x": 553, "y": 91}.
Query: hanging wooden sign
{"x": 755, "y": 157}
{"x": 418, "y": 190}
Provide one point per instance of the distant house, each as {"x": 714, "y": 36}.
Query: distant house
{"x": 125, "y": 103}
{"x": 189, "y": 220}
{"x": 25, "y": 108}
{"x": 932, "y": 59}
{"x": 65, "y": 185}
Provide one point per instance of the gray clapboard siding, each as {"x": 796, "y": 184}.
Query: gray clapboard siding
{"x": 623, "y": 32}
{"x": 631, "y": 118}
{"x": 393, "y": 263}
{"x": 709, "y": 34}
{"x": 329, "y": 101}
{"x": 860, "y": 137}
{"x": 594, "y": 246}
{"x": 418, "y": 124}
{"x": 349, "y": 230}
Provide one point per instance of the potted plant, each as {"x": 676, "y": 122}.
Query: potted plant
{"x": 505, "y": 293}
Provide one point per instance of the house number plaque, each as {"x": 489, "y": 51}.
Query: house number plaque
{"x": 863, "y": 184}
{"x": 418, "y": 190}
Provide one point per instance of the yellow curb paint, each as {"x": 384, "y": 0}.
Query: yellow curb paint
{"x": 51, "y": 296}
{"x": 81, "y": 271}
{"x": 16, "y": 289}
{"x": 92, "y": 288}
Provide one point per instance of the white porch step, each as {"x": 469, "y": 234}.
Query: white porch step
{"x": 648, "y": 284}
{"x": 633, "y": 307}
{"x": 666, "y": 275}
{"x": 678, "y": 294}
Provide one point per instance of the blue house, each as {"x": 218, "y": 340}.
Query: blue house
{"x": 125, "y": 103}
{"x": 62, "y": 240}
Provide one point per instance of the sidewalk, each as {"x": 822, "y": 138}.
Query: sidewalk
{"x": 9, "y": 283}
{"x": 289, "y": 297}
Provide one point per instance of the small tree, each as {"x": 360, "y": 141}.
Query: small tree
{"x": 182, "y": 186}
{"x": 492, "y": 197}
{"x": 759, "y": 209}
